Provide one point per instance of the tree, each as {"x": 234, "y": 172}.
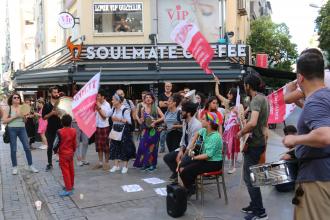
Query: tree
{"x": 274, "y": 40}
{"x": 323, "y": 28}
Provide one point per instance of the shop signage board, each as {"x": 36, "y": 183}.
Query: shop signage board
{"x": 164, "y": 52}
{"x": 66, "y": 20}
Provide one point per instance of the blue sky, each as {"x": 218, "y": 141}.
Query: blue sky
{"x": 299, "y": 17}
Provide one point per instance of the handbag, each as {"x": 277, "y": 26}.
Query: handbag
{"x": 6, "y": 137}
{"x": 117, "y": 132}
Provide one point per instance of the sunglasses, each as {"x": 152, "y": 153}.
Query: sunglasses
{"x": 299, "y": 193}
{"x": 16, "y": 97}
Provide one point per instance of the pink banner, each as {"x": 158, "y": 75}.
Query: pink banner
{"x": 277, "y": 107}
{"x": 83, "y": 106}
{"x": 191, "y": 39}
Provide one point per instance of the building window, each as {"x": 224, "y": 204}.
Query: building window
{"x": 118, "y": 17}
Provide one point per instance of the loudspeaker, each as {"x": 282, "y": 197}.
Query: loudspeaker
{"x": 176, "y": 200}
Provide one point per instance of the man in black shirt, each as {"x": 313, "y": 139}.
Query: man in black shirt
{"x": 163, "y": 105}
{"x": 54, "y": 123}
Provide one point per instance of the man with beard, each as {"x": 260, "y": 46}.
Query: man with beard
{"x": 191, "y": 125}
{"x": 256, "y": 143}
{"x": 50, "y": 114}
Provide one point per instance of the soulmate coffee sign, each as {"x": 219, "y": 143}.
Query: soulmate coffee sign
{"x": 136, "y": 52}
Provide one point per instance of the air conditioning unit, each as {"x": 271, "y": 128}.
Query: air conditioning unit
{"x": 241, "y": 7}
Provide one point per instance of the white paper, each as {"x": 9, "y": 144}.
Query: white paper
{"x": 153, "y": 180}
{"x": 132, "y": 188}
{"x": 161, "y": 191}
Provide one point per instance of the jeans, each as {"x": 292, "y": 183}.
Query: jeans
{"x": 251, "y": 157}
{"x": 19, "y": 132}
{"x": 81, "y": 136}
{"x": 162, "y": 140}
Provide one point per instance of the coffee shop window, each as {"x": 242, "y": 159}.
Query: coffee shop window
{"x": 118, "y": 17}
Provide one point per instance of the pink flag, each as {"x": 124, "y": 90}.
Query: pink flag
{"x": 83, "y": 106}
{"x": 188, "y": 36}
{"x": 277, "y": 107}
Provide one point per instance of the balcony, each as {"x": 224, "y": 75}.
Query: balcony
{"x": 241, "y": 7}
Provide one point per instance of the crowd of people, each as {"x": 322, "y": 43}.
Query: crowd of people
{"x": 198, "y": 134}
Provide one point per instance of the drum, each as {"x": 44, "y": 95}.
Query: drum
{"x": 148, "y": 121}
{"x": 274, "y": 173}
{"x": 64, "y": 106}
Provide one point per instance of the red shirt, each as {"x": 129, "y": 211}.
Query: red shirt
{"x": 201, "y": 115}
{"x": 67, "y": 141}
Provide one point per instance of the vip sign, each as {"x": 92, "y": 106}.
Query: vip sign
{"x": 178, "y": 13}
{"x": 160, "y": 52}
{"x": 66, "y": 20}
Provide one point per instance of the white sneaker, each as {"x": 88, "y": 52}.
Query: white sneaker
{"x": 33, "y": 169}
{"x": 114, "y": 169}
{"x": 15, "y": 171}
{"x": 80, "y": 163}
{"x": 231, "y": 171}
{"x": 124, "y": 170}
{"x": 43, "y": 147}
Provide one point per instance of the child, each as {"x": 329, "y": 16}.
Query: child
{"x": 65, "y": 145}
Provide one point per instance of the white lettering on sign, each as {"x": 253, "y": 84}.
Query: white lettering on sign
{"x": 151, "y": 52}
{"x": 138, "y": 53}
{"x": 102, "y": 53}
{"x": 172, "y": 52}
{"x": 241, "y": 50}
{"x": 232, "y": 52}
{"x": 106, "y": 8}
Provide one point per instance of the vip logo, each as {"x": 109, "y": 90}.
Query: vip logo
{"x": 178, "y": 13}
{"x": 75, "y": 50}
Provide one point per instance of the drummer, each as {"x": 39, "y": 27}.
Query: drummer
{"x": 50, "y": 114}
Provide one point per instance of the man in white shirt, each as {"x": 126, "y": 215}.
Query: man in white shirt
{"x": 103, "y": 112}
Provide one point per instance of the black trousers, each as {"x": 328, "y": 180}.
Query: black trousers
{"x": 195, "y": 167}
{"x": 50, "y": 142}
{"x": 170, "y": 160}
{"x": 252, "y": 157}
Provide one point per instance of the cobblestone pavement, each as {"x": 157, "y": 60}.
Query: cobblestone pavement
{"x": 103, "y": 197}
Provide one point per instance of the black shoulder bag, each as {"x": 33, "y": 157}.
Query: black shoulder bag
{"x": 6, "y": 137}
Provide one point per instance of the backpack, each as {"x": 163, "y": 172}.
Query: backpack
{"x": 131, "y": 126}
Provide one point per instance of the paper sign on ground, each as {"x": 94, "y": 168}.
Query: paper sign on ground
{"x": 153, "y": 180}
{"x": 161, "y": 191}
{"x": 132, "y": 188}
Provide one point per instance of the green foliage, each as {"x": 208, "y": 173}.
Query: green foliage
{"x": 274, "y": 40}
{"x": 323, "y": 28}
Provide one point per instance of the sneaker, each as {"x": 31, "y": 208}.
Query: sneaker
{"x": 33, "y": 169}
{"x": 15, "y": 171}
{"x": 247, "y": 210}
{"x": 124, "y": 170}
{"x": 252, "y": 216}
{"x": 64, "y": 189}
{"x": 173, "y": 177}
{"x": 114, "y": 169}
{"x": 85, "y": 162}
{"x": 43, "y": 147}
{"x": 151, "y": 168}
{"x": 231, "y": 171}
{"x": 65, "y": 193}
{"x": 80, "y": 163}
{"x": 49, "y": 167}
